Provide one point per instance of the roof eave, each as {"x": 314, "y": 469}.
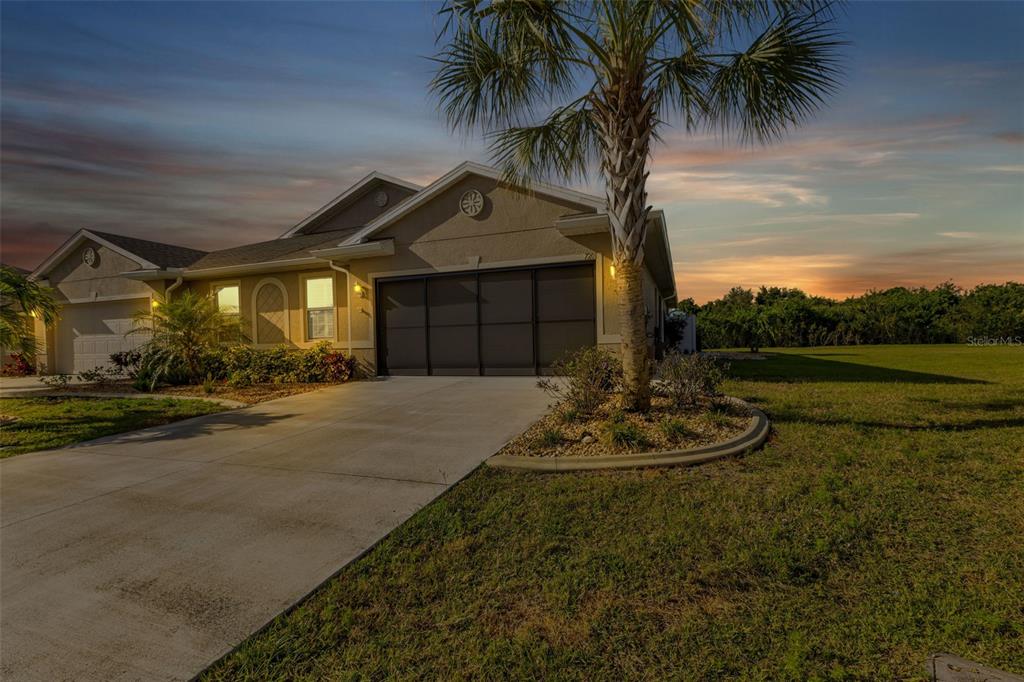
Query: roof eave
{"x": 382, "y": 247}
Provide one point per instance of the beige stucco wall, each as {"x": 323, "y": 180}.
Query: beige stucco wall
{"x": 293, "y": 283}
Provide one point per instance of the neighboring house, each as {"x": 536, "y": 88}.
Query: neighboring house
{"x": 467, "y": 275}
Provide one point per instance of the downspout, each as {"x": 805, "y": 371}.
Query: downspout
{"x": 348, "y": 301}
{"x": 168, "y": 290}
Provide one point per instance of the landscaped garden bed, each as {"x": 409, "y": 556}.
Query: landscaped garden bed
{"x": 588, "y": 427}
{"x": 612, "y": 431}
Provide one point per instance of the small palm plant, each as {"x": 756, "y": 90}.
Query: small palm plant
{"x": 22, "y": 299}
{"x": 562, "y": 85}
{"x": 184, "y": 332}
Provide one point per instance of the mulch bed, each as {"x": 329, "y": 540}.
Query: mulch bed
{"x": 705, "y": 424}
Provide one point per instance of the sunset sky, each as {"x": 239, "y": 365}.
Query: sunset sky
{"x": 211, "y": 125}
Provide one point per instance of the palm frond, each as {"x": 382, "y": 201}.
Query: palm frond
{"x": 563, "y": 147}
{"x": 781, "y": 79}
{"x": 502, "y": 59}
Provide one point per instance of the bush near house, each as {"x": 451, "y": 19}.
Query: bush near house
{"x": 239, "y": 365}
{"x": 17, "y": 365}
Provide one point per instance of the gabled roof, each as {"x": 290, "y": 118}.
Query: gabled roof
{"x": 455, "y": 175}
{"x": 351, "y": 193}
{"x": 274, "y": 250}
{"x": 148, "y": 254}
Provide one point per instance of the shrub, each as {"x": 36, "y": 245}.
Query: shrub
{"x": 244, "y": 365}
{"x": 185, "y": 331}
{"x": 19, "y": 366}
{"x": 551, "y": 437}
{"x": 620, "y": 431}
{"x": 127, "y": 362}
{"x": 99, "y": 375}
{"x": 56, "y": 380}
{"x": 584, "y": 380}
{"x": 683, "y": 379}
{"x": 674, "y": 429}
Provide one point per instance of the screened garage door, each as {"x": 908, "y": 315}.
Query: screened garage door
{"x": 513, "y": 322}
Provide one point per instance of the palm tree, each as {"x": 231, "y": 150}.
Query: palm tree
{"x": 183, "y": 332}
{"x": 560, "y": 85}
{"x": 21, "y": 300}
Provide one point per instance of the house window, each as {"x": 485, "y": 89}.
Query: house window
{"x": 320, "y": 308}
{"x": 227, "y": 299}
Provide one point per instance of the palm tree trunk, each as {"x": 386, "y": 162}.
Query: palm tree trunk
{"x": 636, "y": 372}
{"x": 624, "y": 113}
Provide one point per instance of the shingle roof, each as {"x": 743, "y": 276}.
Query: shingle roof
{"x": 158, "y": 253}
{"x": 273, "y": 250}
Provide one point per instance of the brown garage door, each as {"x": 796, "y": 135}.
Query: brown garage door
{"x": 511, "y": 322}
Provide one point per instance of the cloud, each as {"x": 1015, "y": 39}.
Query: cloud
{"x": 1013, "y": 137}
{"x": 1011, "y": 168}
{"x": 862, "y": 219}
{"x": 775, "y": 191}
{"x": 959, "y": 235}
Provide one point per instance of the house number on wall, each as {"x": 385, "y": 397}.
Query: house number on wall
{"x": 89, "y": 257}
{"x": 471, "y": 203}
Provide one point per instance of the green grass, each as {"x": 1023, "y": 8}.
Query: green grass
{"x": 45, "y": 423}
{"x": 882, "y": 522}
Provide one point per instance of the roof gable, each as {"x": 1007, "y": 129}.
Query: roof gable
{"x": 333, "y": 209}
{"x": 452, "y": 177}
{"x": 148, "y": 254}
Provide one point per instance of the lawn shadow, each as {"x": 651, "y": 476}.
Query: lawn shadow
{"x": 192, "y": 427}
{"x": 804, "y": 367}
{"x": 800, "y": 417}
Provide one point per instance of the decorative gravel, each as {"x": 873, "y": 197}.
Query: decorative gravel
{"x": 705, "y": 424}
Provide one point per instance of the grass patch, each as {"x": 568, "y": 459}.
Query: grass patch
{"x": 883, "y": 522}
{"x": 31, "y": 424}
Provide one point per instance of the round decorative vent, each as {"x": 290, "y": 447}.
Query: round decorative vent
{"x": 381, "y": 199}
{"x": 471, "y": 203}
{"x": 89, "y": 257}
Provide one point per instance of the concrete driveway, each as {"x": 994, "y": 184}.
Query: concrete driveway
{"x": 149, "y": 555}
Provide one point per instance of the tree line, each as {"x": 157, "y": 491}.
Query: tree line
{"x": 779, "y": 316}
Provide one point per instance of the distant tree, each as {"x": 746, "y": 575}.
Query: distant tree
{"x": 789, "y": 317}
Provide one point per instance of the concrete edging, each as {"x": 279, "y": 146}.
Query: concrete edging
{"x": 751, "y": 439}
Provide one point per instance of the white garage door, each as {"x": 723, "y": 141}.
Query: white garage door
{"x": 88, "y": 333}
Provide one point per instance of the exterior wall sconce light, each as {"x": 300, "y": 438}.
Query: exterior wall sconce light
{"x": 611, "y": 271}
{"x": 360, "y": 290}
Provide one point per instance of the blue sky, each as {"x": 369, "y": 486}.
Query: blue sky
{"x": 213, "y": 124}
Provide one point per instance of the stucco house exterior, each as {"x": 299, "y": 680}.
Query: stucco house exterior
{"x": 467, "y": 275}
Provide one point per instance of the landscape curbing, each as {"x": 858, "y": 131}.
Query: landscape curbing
{"x": 752, "y": 438}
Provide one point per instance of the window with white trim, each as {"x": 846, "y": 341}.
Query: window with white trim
{"x": 227, "y": 299}
{"x": 320, "y": 308}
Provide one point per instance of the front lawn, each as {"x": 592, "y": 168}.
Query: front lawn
{"x": 30, "y": 424}
{"x": 882, "y": 522}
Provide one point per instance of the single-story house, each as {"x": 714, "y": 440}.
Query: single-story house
{"x": 467, "y": 275}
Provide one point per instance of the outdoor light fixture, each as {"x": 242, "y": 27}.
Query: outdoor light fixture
{"x": 360, "y": 290}
{"x": 611, "y": 271}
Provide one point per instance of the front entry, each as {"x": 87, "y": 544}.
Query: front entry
{"x": 490, "y": 322}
